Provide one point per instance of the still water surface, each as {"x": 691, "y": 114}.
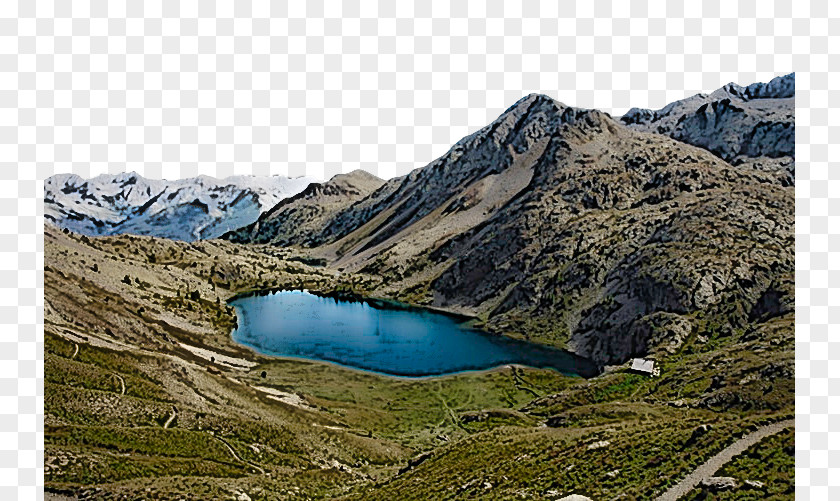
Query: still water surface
{"x": 395, "y": 341}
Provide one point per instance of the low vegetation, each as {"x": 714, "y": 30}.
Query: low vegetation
{"x": 147, "y": 395}
{"x": 764, "y": 471}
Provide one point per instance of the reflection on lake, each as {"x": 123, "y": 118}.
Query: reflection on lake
{"x": 395, "y": 341}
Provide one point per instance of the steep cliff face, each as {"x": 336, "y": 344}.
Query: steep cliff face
{"x": 751, "y": 126}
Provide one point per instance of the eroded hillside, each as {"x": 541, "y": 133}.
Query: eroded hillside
{"x": 564, "y": 226}
{"x": 146, "y": 396}
{"x": 560, "y": 225}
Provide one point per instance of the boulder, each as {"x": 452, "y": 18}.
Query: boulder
{"x": 698, "y": 432}
{"x": 597, "y": 445}
{"x": 719, "y": 483}
{"x": 754, "y": 484}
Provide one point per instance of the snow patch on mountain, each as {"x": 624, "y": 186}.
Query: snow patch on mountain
{"x": 187, "y": 209}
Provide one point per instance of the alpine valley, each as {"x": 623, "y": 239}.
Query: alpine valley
{"x": 661, "y": 235}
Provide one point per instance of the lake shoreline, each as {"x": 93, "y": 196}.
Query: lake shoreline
{"x": 350, "y": 296}
{"x": 258, "y": 356}
{"x": 429, "y": 344}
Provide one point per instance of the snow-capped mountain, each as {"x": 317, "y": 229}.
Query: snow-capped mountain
{"x": 188, "y": 209}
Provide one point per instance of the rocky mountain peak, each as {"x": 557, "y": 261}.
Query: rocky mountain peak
{"x": 298, "y": 218}
{"x": 608, "y": 238}
{"x": 781, "y": 87}
{"x": 751, "y": 126}
{"x": 355, "y": 177}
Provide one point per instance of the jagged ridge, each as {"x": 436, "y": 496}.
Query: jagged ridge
{"x": 751, "y": 126}
{"x": 570, "y": 228}
{"x": 188, "y": 209}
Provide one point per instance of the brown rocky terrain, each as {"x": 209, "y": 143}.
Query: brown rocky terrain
{"x": 298, "y": 217}
{"x": 564, "y": 226}
{"x": 556, "y": 224}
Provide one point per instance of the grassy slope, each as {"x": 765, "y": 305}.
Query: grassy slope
{"x": 353, "y": 431}
{"x": 770, "y": 462}
{"x": 648, "y": 423}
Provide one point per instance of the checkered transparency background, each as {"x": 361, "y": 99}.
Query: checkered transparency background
{"x": 179, "y": 88}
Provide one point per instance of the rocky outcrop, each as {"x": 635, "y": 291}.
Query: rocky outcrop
{"x": 415, "y": 461}
{"x": 567, "y": 227}
{"x": 751, "y": 126}
{"x": 779, "y": 88}
{"x": 717, "y": 484}
{"x": 297, "y": 219}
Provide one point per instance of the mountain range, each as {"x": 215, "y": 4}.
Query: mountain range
{"x": 187, "y": 209}
{"x": 751, "y": 126}
{"x": 569, "y": 227}
{"x": 566, "y": 226}
{"x": 665, "y": 234}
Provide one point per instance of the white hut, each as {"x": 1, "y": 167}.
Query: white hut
{"x": 643, "y": 366}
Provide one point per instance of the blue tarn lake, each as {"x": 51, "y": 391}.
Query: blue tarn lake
{"x": 398, "y": 341}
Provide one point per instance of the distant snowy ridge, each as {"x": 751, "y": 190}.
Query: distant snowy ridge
{"x": 187, "y": 209}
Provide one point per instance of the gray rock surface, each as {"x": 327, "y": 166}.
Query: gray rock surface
{"x": 567, "y": 227}
{"x": 719, "y": 483}
{"x": 751, "y": 126}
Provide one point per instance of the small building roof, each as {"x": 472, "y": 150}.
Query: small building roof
{"x": 642, "y": 365}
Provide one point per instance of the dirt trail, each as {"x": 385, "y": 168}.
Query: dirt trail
{"x": 714, "y": 463}
{"x": 76, "y": 336}
{"x": 236, "y": 456}
{"x": 457, "y": 422}
{"x": 520, "y": 384}
{"x": 75, "y": 351}
{"x": 223, "y": 441}
{"x": 122, "y": 384}
{"x": 169, "y": 421}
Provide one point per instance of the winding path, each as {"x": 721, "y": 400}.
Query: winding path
{"x": 455, "y": 420}
{"x": 520, "y": 384}
{"x": 220, "y": 439}
{"x": 714, "y": 463}
{"x": 169, "y": 421}
{"x": 75, "y": 351}
{"x": 236, "y": 456}
{"x": 122, "y": 384}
